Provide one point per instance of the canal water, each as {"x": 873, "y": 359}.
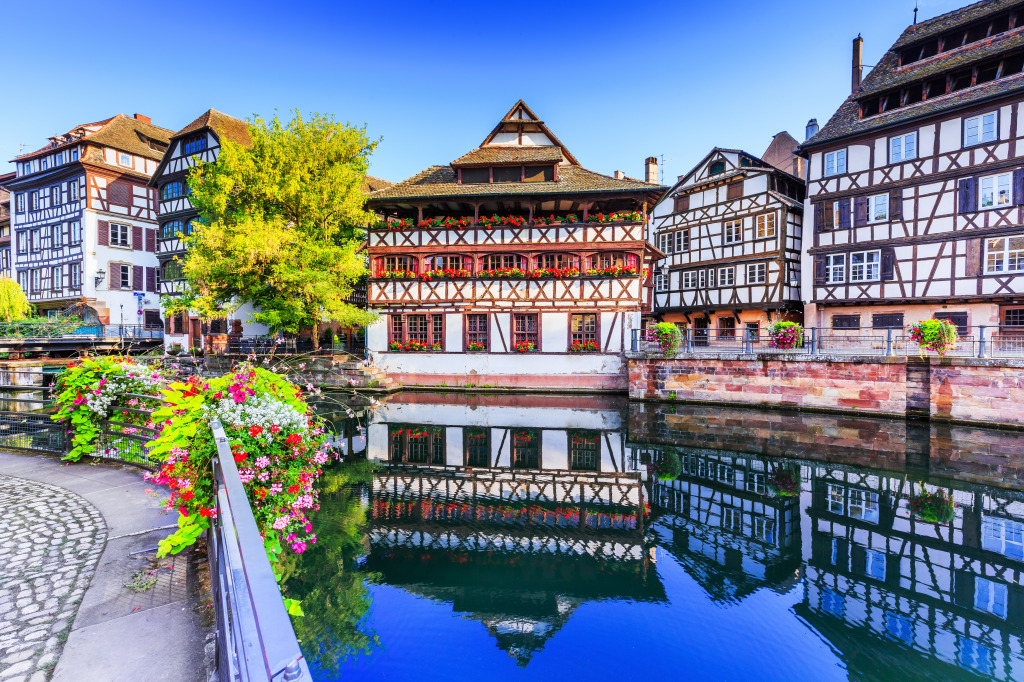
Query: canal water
{"x": 547, "y": 537}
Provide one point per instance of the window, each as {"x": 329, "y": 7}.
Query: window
{"x": 733, "y": 232}
{"x": 726, "y": 276}
{"x": 22, "y": 241}
{"x": 506, "y": 174}
{"x": 990, "y": 596}
{"x": 526, "y": 448}
{"x": 899, "y": 627}
{"x": 874, "y": 564}
{"x": 74, "y": 154}
{"x": 717, "y": 167}
{"x": 33, "y": 200}
{"x": 34, "y": 240}
{"x": 476, "y": 332}
{"x": 73, "y": 190}
{"x": 477, "y": 445}
{"x": 995, "y": 191}
{"x": 887, "y": 321}
{"x": 903, "y": 147}
{"x": 396, "y": 264}
{"x": 660, "y": 281}
{"x": 835, "y": 268}
{"x": 194, "y": 144}
{"x": 446, "y": 263}
{"x": 538, "y": 174}
{"x": 502, "y": 261}
{"x": 836, "y": 498}
{"x": 734, "y": 190}
{"x": 835, "y": 163}
{"x": 864, "y": 266}
{"x": 124, "y": 159}
{"x": 55, "y": 195}
{"x": 525, "y": 329}
{"x": 123, "y": 275}
{"x": 584, "y": 450}
{"x": 682, "y": 241}
{"x": 732, "y": 519}
{"x": 980, "y": 129}
{"x": 878, "y": 208}
{"x": 975, "y": 655}
{"x": 170, "y": 229}
{"x": 765, "y": 226}
{"x": 416, "y": 329}
{"x": 192, "y": 225}
{"x": 1013, "y": 317}
{"x": 23, "y": 280}
{"x": 958, "y": 319}
{"x": 846, "y": 321}
{"x": 56, "y": 277}
{"x": 764, "y": 529}
{"x": 120, "y": 235}
{"x": 172, "y": 190}
{"x": 833, "y": 603}
{"x": 727, "y": 327}
{"x": 36, "y": 280}
{"x": 864, "y": 505}
{"x": 689, "y": 279}
{"x": 1003, "y": 536}
{"x": 757, "y": 273}
{"x": 475, "y": 176}
{"x": 556, "y": 261}
{"x": 56, "y": 236}
{"x": 702, "y": 279}
{"x": 682, "y": 203}
{"x": 44, "y": 163}
{"x": 19, "y": 203}
{"x": 583, "y": 328}
{"x": 1005, "y": 254}
{"x": 437, "y": 332}
{"x": 75, "y": 232}
{"x": 75, "y": 274}
{"x": 615, "y": 259}
{"x": 427, "y": 330}
{"x": 172, "y": 269}
{"x": 417, "y": 444}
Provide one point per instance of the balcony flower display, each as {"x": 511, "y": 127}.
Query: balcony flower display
{"x": 393, "y": 225}
{"x": 785, "y": 335}
{"x": 784, "y": 482}
{"x": 617, "y": 217}
{"x": 553, "y": 273}
{"x": 524, "y": 347}
{"x": 498, "y": 221}
{"x": 666, "y": 335}
{"x": 475, "y": 347}
{"x": 555, "y": 220}
{"x": 501, "y": 273}
{"x": 446, "y": 221}
{"x": 446, "y": 273}
{"x": 933, "y": 507}
{"x": 938, "y": 336}
{"x": 397, "y": 274}
{"x": 524, "y": 436}
{"x": 668, "y": 468}
{"x": 584, "y": 347}
{"x": 614, "y": 271}
{"x": 408, "y": 347}
{"x": 585, "y": 439}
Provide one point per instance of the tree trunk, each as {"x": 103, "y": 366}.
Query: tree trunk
{"x": 316, "y": 335}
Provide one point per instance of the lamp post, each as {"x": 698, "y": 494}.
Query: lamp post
{"x": 121, "y": 328}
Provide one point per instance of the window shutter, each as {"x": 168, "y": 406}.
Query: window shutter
{"x": 115, "y": 275}
{"x": 151, "y": 241}
{"x": 888, "y": 263}
{"x": 137, "y": 237}
{"x": 1018, "y": 186}
{"x": 734, "y": 190}
{"x": 974, "y": 257}
{"x": 860, "y": 211}
{"x": 819, "y": 217}
{"x": 844, "y": 214}
{"x": 968, "y": 195}
{"x": 819, "y": 269}
{"x": 151, "y": 279}
{"x": 104, "y": 233}
{"x": 896, "y": 204}
{"x": 137, "y": 277}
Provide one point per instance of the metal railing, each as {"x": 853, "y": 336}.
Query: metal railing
{"x": 982, "y": 341}
{"x": 71, "y": 330}
{"x": 255, "y": 637}
{"x": 269, "y": 345}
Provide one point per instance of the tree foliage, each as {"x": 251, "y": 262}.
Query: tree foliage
{"x": 281, "y": 225}
{"x": 14, "y": 304}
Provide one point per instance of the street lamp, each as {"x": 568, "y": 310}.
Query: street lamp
{"x": 100, "y": 274}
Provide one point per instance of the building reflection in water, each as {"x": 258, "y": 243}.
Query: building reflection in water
{"x": 516, "y": 512}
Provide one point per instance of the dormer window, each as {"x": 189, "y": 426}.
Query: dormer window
{"x": 124, "y": 159}
{"x": 492, "y": 174}
{"x": 717, "y": 167}
{"x": 194, "y": 144}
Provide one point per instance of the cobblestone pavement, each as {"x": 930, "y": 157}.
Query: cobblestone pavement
{"x": 50, "y": 542}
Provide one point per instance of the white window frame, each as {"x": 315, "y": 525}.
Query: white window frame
{"x": 874, "y": 563}
{"x": 35, "y": 280}
{"x": 1001, "y": 258}
{"x": 835, "y": 268}
{"x": 56, "y": 282}
{"x": 666, "y": 242}
{"x": 702, "y": 278}
{"x": 125, "y": 276}
{"x": 35, "y": 240}
{"x": 763, "y": 222}
{"x": 878, "y": 208}
{"x": 689, "y": 279}
{"x": 834, "y": 163}
{"x": 727, "y": 276}
{"x": 121, "y": 156}
{"x": 863, "y": 504}
{"x": 56, "y": 236}
{"x": 981, "y": 129}
{"x": 732, "y": 231}
{"x": 835, "y": 498}
{"x": 763, "y": 529}
{"x": 991, "y": 596}
{"x": 1000, "y": 188}
{"x": 73, "y": 190}
{"x": 732, "y": 519}
{"x": 682, "y": 241}
{"x": 660, "y": 281}
{"x": 711, "y": 277}
{"x": 898, "y": 147}
{"x": 55, "y": 196}
{"x": 19, "y": 202}
{"x": 127, "y": 231}
{"x": 757, "y": 273}
{"x": 866, "y": 266}
{"x": 74, "y": 232}
{"x": 75, "y": 274}
{"x": 1004, "y": 536}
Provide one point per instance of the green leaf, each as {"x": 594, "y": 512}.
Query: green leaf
{"x": 294, "y": 609}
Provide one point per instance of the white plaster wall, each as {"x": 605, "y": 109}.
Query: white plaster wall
{"x": 949, "y": 135}
{"x": 554, "y": 330}
{"x": 497, "y": 416}
{"x": 513, "y": 364}
{"x": 453, "y": 331}
{"x": 858, "y": 158}
{"x": 377, "y": 335}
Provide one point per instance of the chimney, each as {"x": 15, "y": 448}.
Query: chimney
{"x": 812, "y": 129}
{"x": 858, "y": 62}
{"x": 651, "y": 170}
{"x": 619, "y": 175}
{"x": 144, "y": 119}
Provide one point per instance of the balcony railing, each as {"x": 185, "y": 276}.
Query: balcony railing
{"x": 71, "y": 330}
{"x": 981, "y": 341}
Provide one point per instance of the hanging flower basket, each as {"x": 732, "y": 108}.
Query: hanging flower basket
{"x": 784, "y": 482}
{"x": 668, "y": 468}
{"x": 938, "y": 336}
{"x": 936, "y": 507}
{"x": 785, "y": 335}
{"x": 666, "y": 335}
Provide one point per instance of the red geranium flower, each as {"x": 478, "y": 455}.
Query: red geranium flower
{"x": 293, "y": 439}
{"x": 240, "y": 456}
{"x": 293, "y": 489}
{"x": 275, "y": 428}
{"x": 187, "y": 495}
{"x": 255, "y": 431}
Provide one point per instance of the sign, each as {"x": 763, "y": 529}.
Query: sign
{"x": 139, "y": 311}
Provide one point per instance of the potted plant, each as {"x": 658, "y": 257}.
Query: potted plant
{"x": 524, "y": 347}
{"x": 933, "y": 507}
{"x": 939, "y": 336}
{"x": 785, "y": 335}
{"x": 784, "y": 482}
{"x": 474, "y": 347}
{"x": 584, "y": 347}
{"x": 667, "y": 336}
{"x": 668, "y": 468}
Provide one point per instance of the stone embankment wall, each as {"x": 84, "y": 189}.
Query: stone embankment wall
{"x": 987, "y": 391}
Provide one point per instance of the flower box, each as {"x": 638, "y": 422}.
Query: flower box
{"x": 413, "y": 347}
{"x": 476, "y": 348}
{"x": 525, "y": 347}
{"x": 937, "y": 507}
{"x": 584, "y": 347}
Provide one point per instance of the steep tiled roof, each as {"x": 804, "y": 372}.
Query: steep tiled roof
{"x": 372, "y": 184}
{"x": 234, "y": 129}
{"x": 439, "y": 182}
{"x": 119, "y": 132}
{"x": 887, "y": 74}
{"x": 516, "y": 154}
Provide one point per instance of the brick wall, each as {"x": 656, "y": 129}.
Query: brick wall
{"x": 989, "y": 391}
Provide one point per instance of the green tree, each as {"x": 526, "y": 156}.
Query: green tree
{"x": 281, "y": 225}
{"x": 14, "y": 304}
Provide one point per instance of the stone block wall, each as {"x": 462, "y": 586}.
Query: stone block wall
{"x": 967, "y": 389}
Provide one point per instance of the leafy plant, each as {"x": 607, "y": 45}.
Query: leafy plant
{"x": 14, "y": 304}
{"x": 473, "y": 346}
{"x": 668, "y": 468}
{"x": 938, "y": 336}
{"x": 933, "y": 507}
{"x": 667, "y": 336}
{"x": 524, "y": 347}
{"x": 784, "y": 482}
{"x": 785, "y": 335}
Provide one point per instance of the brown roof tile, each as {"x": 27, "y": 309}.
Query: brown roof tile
{"x": 950, "y": 20}
{"x": 120, "y": 132}
{"x": 372, "y": 184}
{"x": 234, "y": 129}
{"x": 510, "y": 154}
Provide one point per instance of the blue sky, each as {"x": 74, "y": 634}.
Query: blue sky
{"x": 616, "y": 81}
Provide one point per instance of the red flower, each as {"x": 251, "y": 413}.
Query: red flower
{"x": 203, "y": 511}
{"x": 293, "y": 439}
{"x": 275, "y": 428}
{"x": 255, "y": 431}
{"x": 187, "y": 495}
{"x": 293, "y": 489}
{"x": 240, "y": 456}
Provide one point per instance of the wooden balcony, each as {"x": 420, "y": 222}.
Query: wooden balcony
{"x": 584, "y": 235}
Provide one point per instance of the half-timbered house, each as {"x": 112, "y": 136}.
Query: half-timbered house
{"x": 513, "y": 266}
{"x": 730, "y": 230}
{"x": 84, "y": 220}
{"x": 916, "y": 183}
{"x": 197, "y": 143}
{"x": 5, "y": 226}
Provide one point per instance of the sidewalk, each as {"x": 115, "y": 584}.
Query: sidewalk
{"x": 70, "y": 538}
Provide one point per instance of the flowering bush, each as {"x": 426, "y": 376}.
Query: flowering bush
{"x": 937, "y": 507}
{"x": 502, "y": 273}
{"x": 90, "y": 392}
{"x": 446, "y": 273}
{"x": 666, "y": 335}
{"x": 397, "y": 274}
{"x": 584, "y": 347}
{"x": 785, "y": 335}
{"x": 618, "y": 217}
{"x": 525, "y": 347}
{"x": 408, "y": 347}
{"x": 613, "y": 271}
{"x": 475, "y": 346}
{"x": 393, "y": 225}
{"x": 784, "y": 482}
{"x": 555, "y": 220}
{"x": 939, "y": 336}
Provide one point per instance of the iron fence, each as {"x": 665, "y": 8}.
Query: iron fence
{"x": 981, "y": 341}
{"x": 255, "y": 637}
{"x": 269, "y": 345}
{"x": 72, "y": 329}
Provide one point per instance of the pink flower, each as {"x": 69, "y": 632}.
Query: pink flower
{"x": 280, "y": 523}
{"x": 263, "y": 462}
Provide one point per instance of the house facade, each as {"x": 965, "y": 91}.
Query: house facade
{"x": 511, "y": 266}
{"x": 84, "y": 221}
{"x": 915, "y": 192}
{"x": 5, "y": 225}
{"x": 197, "y": 143}
{"x": 731, "y": 233}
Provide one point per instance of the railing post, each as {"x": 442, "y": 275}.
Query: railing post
{"x": 689, "y": 341}
{"x": 888, "y": 342}
{"x": 814, "y": 341}
{"x": 981, "y": 341}
{"x": 748, "y": 347}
